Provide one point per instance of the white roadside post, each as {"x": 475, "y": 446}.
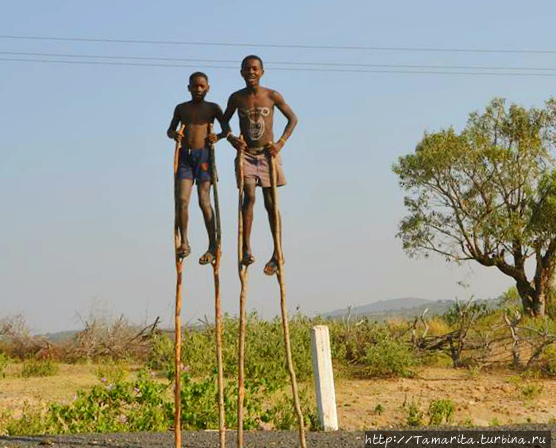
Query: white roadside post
{"x": 324, "y": 378}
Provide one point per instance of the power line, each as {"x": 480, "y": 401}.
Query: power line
{"x": 230, "y": 61}
{"x": 291, "y": 46}
{"x": 330, "y": 70}
{"x": 133, "y": 64}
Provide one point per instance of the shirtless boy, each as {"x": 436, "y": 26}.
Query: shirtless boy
{"x": 255, "y": 105}
{"x": 194, "y": 160}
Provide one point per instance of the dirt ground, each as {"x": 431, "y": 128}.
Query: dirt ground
{"x": 481, "y": 399}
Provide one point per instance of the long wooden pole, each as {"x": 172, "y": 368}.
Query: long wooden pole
{"x": 242, "y": 270}
{"x": 177, "y": 316}
{"x": 217, "y": 300}
{"x": 177, "y": 388}
{"x": 277, "y": 235}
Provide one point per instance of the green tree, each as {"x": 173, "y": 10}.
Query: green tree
{"x": 488, "y": 193}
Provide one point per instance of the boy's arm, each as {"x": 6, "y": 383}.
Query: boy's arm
{"x": 275, "y": 148}
{"x": 231, "y": 108}
{"x": 171, "y": 132}
{"x": 224, "y": 125}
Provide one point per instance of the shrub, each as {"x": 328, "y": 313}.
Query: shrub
{"x": 16, "y": 339}
{"x": 379, "y": 350}
{"x": 441, "y": 411}
{"x": 30, "y": 422}
{"x": 389, "y": 357}
{"x": 531, "y": 391}
{"x": 264, "y": 349}
{"x": 36, "y": 368}
{"x": 349, "y": 344}
{"x": 468, "y": 423}
{"x": 111, "y": 373}
{"x": 282, "y": 416}
{"x": 4, "y": 362}
{"x": 547, "y": 362}
{"x": 414, "y": 415}
{"x": 105, "y": 337}
{"x": 145, "y": 405}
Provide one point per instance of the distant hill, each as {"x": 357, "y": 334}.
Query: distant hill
{"x": 61, "y": 336}
{"x": 382, "y": 306}
{"x": 404, "y": 308}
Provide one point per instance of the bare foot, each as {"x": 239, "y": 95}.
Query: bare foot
{"x": 183, "y": 251}
{"x": 271, "y": 267}
{"x": 247, "y": 259}
{"x": 209, "y": 256}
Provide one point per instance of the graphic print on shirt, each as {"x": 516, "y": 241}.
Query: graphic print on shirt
{"x": 256, "y": 122}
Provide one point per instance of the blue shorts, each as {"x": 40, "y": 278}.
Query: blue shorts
{"x": 195, "y": 164}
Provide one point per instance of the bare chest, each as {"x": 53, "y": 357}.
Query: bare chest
{"x": 255, "y": 106}
{"x": 196, "y": 114}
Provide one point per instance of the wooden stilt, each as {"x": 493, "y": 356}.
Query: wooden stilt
{"x": 177, "y": 315}
{"x": 242, "y": 271}
{"x": 277, "y": 235}
{"x": 217, "y": 300}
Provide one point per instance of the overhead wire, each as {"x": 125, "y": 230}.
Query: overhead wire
{"x": 296, "y": 69}
{"x": 270, "y": 45}
{"x": 291, "y": 66}
{"x": 290, "y": 63}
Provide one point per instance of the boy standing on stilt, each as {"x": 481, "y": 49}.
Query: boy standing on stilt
{"x": 255, "y": 105}
{"x": 194, "y": 160}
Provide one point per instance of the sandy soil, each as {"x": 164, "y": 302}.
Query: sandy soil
{"x": 485, "y": 399}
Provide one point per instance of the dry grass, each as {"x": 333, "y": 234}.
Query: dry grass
{"x": 15, "y": 391}
{"x": 438, "y": 326}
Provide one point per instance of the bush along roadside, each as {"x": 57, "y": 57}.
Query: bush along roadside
{"x": 145, "y": 404}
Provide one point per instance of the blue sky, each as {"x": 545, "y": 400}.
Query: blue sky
{"x": 85, "y": 178}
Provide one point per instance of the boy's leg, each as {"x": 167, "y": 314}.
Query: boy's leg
{"x": 272, "y": 266}
{"x": 183, "y": 196}
{"x": 249, "y": 190}
{"x": 203, "y": 191}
